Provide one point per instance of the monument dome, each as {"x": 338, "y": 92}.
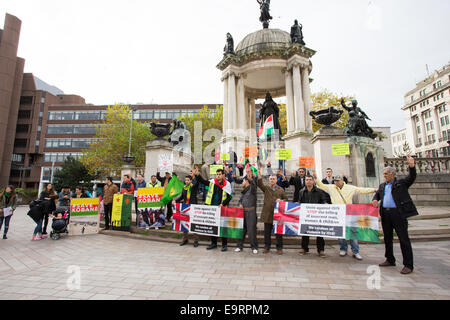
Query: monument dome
{"x": 263, "y": 40}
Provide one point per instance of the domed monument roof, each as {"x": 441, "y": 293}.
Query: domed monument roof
{"x": 262, "y": 40}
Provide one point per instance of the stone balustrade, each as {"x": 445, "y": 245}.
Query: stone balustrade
{"x": 423, "y": 165}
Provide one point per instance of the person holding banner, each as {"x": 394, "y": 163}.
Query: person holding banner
{"x": 342, "y": 193}
{"x": 154, "y": 183}
{"x": 311, "y": 194}
{"x": 248, "y": 203}
{"x": 219, "y": 194}
{"x": 396, "y": 206}
{"x": 109, "y": 190}
{"x": 164, "y": 182}
{"x": 272, "y": 193}
{"x": 189, "y": 196}
{"x": 140, "y": 183}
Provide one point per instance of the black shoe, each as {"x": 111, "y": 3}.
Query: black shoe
{"x": 183, "y": 243}
{"x": 4, "y": 236}
{"x": 211, "y": 246}
{"x": 224, "y": 248}
{"x": 195, "y": 244}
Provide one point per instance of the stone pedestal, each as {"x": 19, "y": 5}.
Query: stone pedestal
{"x": 360, "y": 148}
{"x": 129, "y": 169}
{"x": 182, "y": 161}
{"x": 300, "y": 144}
{"x": 322, "y": 144}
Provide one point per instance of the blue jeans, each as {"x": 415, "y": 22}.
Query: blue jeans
{"x": 344, "y": 246}
{"x": 7, "y": 219}
{"x": 38, "y": 228}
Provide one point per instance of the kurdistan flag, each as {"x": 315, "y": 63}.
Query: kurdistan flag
{"x": 173, "y": 189}
{"x": 232, "y": 222}
{"x": 84, "y": 207}
{"x": 362, "y": 222}
{"x": 267, "y": 128}
{"x": 121, "y": 212}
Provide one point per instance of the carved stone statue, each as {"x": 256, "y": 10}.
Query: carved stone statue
{"x": 297, "y": 34}
{"x": 265, "y": 17}
{"x": 269, "y": 108}
{"x": 326, "y": 116}
{"x": 357, "y": 125}
{"x": 229, "y": 47}
{"x": 180, "y": 137}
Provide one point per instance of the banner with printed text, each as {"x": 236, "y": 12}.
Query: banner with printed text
{"x": 209, "y": 220}
{"x": 149, "y": 197}
{"x": 354, "y": 221}
{"x": 84, "y": 216}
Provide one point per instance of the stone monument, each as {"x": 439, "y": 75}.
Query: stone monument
{"x": 267, "y": 61}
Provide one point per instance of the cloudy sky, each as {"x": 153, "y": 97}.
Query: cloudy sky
{"x": 166, "y": 51}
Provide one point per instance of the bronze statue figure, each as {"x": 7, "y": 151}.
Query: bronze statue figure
{"x": 270, "y": 108}
{"x": 297, "y": 34}
{"x": 229, "y": 47}
{"x": 265, "y": 17}
{"x": 357, "y": 125}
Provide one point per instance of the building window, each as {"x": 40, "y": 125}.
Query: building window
{"x": 22, "y": 128}
{"x": 18, "y": 157}
{"x": 447, "y": 120}
{"x": 418, "y": 130}
{"x": 20, "y": 143}
{"x": 24, "y": 114}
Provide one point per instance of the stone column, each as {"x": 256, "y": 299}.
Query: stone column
{"x": 231, "y": 104}
{"x": 240, "y": 107}
{"x": 422, "y": 129}
{"x": 253, "y": 114}
{"x": 299, "y": 107}
{"x": 306, "y": 97}
{"x": 414, "y": 132}
{"x": 290, "y": 115}
{"x": 437, "y": 124}
{"x": 225, "y": 105}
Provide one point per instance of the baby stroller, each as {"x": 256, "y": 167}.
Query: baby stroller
{"x": 59, "y": 226}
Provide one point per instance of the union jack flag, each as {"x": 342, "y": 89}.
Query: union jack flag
{"x": 181, "y": 217}
{"x": 286, "y": 218}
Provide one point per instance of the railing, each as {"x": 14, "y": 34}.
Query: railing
{"x": 423, "y": 165}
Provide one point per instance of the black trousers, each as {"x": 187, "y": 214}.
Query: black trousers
{"x": 267, "y": 237}
{"x": 319, "y": 242}
{"x": 224, "y": 241}
{"x": 108, "y": 212}
{"x": 169, "y": 211}
{"x": 392, "y": 220}
{"x": 44, "y": 228}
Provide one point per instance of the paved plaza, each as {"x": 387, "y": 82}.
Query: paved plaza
{"x": 120, "y": 268}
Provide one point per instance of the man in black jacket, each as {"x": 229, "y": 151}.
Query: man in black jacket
{"x": 189, "y": 196}
{"x": 298, "y": 181}
{"x": 311, "y": 194}
{"x": 396, "y": 206}
{"x": 164, "y": 182}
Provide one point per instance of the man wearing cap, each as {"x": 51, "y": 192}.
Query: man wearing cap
{"x": 396, "y": 206}
{"x": 342, "y": 193}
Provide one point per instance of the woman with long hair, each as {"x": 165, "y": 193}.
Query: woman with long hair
{"x": 8, "y": 203}
{"x": 48, "y": 196}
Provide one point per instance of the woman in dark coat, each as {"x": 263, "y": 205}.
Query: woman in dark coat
{"x": 48, "y": 196}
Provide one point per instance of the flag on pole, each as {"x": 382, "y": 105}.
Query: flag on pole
{"x": 232, "y": 222}
{"x": 362, "y": 222}
{"x": 173, "y": 189}
{"x": 266, "y": 129}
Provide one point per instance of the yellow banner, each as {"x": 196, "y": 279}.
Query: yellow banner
{"x": 342, "y": 149}
{"x": 225, "y": 156}
{"x": 283, "y": 154}
{"x": 116, "y": 214}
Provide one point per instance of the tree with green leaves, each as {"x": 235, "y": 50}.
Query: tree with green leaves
{"x": 105, "y": 156}
{"x": 72, "y": 174}
{"x": 209, "y": 120}
{"x": 325, "y": 99}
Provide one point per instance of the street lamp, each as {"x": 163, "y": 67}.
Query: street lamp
{"x": 129, "y": 158}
